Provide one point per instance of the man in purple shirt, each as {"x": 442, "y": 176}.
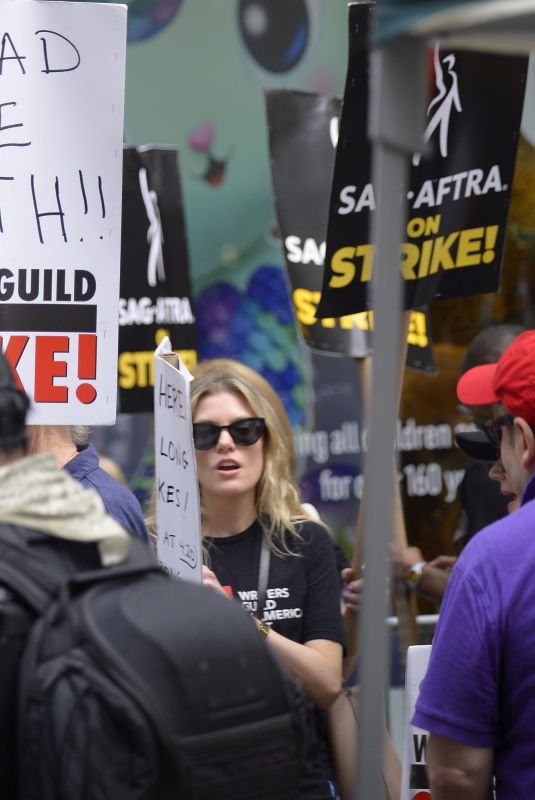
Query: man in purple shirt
{"x": 478, "y": 697}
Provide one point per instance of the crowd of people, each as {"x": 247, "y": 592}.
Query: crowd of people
{"x": 266, "y": 550}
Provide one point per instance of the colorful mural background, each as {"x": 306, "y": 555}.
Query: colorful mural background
{"x": 196, "y": 70}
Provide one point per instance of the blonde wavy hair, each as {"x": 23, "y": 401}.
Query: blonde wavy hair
{"x": 278, "y": 505}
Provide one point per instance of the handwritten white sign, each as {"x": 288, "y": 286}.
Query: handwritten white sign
{"x": 414, "y": 783}
{"x": 178, "y": 519}
{"x": 61, "y": 129}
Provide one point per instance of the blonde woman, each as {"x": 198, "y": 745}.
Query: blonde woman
{"x": 248, "y": 497}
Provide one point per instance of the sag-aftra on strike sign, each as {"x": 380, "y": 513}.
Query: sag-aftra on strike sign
{"x": 458, "y": 192}
{"x": 61, "y": 129}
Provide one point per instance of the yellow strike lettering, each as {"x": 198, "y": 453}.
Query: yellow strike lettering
{"x": 366, "y": 251}
{"x": 491, "y": 234}
{"x": 416, "y": 227}
{"x": 160, "y": 334}
{"x": 423, "y": 226}
{"x": 305, "y": 303}
{"x": 360, "y": 320}
{"x": 127, "y": 371}
{"x": 145, "y": 369}
{"x": 425, "y": 258}
{"x": 136, "y": 370}
{"x": 474, "y": 246}
{"x": 349, "y": 321}
{"x": 441, "y": 253}
{"x": 363, "y": 321}
{"x": 417, "y": 334}
{"x": 410, "y": 254}
{"x": 344, "y": 268}
{"x": 432, "y": 224}
{"x": 189, "y": 358}
{"x": 352, "y": 321}
{"x": 470, "y": 246}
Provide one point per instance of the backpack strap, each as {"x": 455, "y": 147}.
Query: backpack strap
{"x": 37, "y": 582}
{"x": 23, "y": 574}
{"x": 139, "y": 561}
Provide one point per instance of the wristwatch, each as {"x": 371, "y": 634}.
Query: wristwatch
{"x": 414, "y": 575}
{"x": 263, "y": 627}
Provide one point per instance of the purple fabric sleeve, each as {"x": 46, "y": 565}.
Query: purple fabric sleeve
{"x": 458, "y": 697}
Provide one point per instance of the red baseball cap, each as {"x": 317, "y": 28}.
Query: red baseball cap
{"x": 511, "y": 381}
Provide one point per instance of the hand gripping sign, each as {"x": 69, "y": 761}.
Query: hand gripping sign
{"x": 61, "y": 129}
{"x": 178, "y": 521}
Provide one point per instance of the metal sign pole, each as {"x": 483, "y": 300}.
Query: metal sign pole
{"x": 397, "y": 103}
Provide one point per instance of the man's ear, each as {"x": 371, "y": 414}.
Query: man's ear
{"x": 527, "y": 440}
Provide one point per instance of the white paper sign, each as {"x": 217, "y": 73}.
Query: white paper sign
{"x": 62, "y": 71}
{"x": 178, "y": 519}
{"x": 414, "y": 783}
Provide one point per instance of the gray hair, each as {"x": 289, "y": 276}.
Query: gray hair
{"x": 489, "y": 344}
{"x": 80, "y": 434}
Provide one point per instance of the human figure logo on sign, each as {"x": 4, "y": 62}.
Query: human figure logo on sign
{"x": 155, "y": 265}
{"x": 442, "y": 104}
{"x": 178, "y": 519}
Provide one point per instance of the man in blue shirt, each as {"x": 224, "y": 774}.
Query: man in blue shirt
{"x": 70, "y": 446}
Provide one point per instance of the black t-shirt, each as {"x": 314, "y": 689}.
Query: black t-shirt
{"x": 303, "y": 595}
{"x": 302, "y": 603}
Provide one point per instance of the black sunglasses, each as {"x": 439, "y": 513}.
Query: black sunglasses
{"x": 245, "y": 432}
{"x": 493, "y": 430}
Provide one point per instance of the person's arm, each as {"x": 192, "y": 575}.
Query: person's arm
{"x": 317, "y": 664}
{"x": 350, "y": 607}
{"x": 432, "y": 577}
{"x": 435, "y": 577}
{"x": 458, "y": 701}
{"x": 352, "y": 591}
{"x": 458, "y": 771}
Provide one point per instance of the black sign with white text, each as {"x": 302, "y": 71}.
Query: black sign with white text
{"x": 155, "y": 287}
{"x": 303, "y": 132}
{"x": 459, "y": 189}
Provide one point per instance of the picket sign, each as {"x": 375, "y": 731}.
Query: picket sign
{"x": 414, "y": 783}
{"x": 303, "y": 130}
{"x": 62, "y": 68}
{"x": 457, "y": 191}
{"x": 156, "y": 299}
{"x": 178, "y": 519}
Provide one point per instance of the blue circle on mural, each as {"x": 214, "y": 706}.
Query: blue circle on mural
{"x": 146, "y": 18}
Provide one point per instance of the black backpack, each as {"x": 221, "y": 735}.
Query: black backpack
{"x": 120, "y": 683}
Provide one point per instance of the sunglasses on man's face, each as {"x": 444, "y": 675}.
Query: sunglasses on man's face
{"x": 245, "y": 432}
{"x": 493, "y": 430}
